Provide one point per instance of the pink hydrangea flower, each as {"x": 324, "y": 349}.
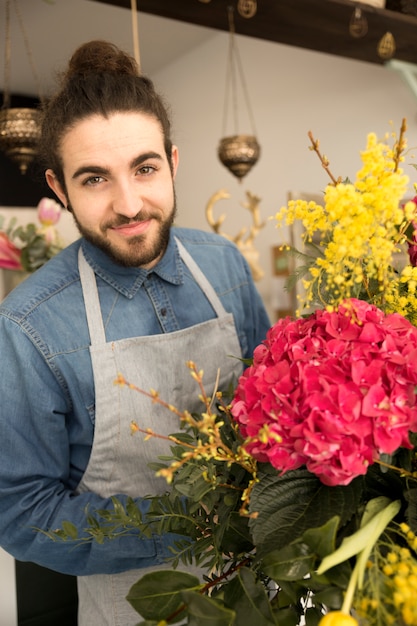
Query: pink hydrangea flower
{"x": 9, "y": 254}
{"x": 332, "y": 392}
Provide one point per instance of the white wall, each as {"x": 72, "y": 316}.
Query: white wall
{"x": 292, "y": 91}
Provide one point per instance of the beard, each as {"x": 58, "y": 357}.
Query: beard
{"x": 140, "y": 252}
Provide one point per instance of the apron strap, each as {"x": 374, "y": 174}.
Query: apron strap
{"x": 91, "y": 301}
{"x": 201, "y": 280}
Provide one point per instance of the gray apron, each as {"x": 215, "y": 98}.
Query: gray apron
{"x": 118, "y": 461}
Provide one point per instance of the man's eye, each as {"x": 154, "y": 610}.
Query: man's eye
{"x": 93, "y": 180}
{"x": 145, "y": 170}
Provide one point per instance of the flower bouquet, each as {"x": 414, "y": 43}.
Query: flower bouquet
{"x": 298, "y": 492}
{"x": 26, "y": 248}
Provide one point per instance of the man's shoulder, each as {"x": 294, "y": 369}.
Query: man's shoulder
{"x": 191, "y": 237}
{"x": 216, "y": 255}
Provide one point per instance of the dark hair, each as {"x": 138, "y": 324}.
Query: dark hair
{"x": 100, "y": 79}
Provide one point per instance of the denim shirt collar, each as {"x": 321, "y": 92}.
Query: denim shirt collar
{"x": 128, "y": 280}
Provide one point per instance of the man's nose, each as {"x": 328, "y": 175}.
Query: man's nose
{"x": 127, "y": 200}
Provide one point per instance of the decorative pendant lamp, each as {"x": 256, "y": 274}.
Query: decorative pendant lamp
{"x": 237, "y": 152}
{"x": 19, "y": 127}
{"x": 358, "y": 26}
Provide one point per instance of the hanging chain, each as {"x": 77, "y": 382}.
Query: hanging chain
{"x": 7, "y": 56}
{"x": 234, "y": 61}
{"x": 230, "y": 86}
{"x": 28, "y": 50}
{"x": 135, "y": 32}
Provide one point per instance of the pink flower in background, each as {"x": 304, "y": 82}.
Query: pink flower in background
{"x": 49, "y": 212}
{"x": 332, "y": 391}
{"x": 29, "y": 246}
{"x": 9, "y": 254}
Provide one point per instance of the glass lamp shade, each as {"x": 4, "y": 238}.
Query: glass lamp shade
{"x": 19, "y": 135}
{"x": 239, "y": 153}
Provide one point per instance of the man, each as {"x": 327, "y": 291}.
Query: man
{"x": 134, "y": 295}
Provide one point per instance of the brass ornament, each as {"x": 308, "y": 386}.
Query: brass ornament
{"x": 20, "y": 128}
{"x": 247, "y": 8}
{"x": 386, "y": 46}
{"x": 239, "y": 153}
{"x": 246, "y": 236}
{"x": 19, "y": 135}
{"x": 358, "y": 25}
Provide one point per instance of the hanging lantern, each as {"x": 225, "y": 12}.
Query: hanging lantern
{"x": 358, "y": 25}
{"x": 20, "y": 128}
{"x": 19, "y": 135}
{"x": 237, "y": 152}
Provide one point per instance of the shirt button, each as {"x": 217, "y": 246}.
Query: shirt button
{"x": 163, "y": 312}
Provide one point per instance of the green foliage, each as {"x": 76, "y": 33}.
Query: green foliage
{"x": 36, "y": 248}
{"x": 165, "y": 598}
{"x": 297, "y": 500}
{"x": 259, "y": 566}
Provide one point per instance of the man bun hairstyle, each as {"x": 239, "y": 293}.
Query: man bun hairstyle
{"x": 101, "y": 57}
{"x": 101, "y": 79}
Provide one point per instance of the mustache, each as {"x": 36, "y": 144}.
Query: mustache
{"x": 122, "y": 220}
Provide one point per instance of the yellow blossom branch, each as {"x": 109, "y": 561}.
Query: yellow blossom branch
{"x": 400, "y": 145}
{"x": 209, "y": 425}
{"x": 323, "y": 159}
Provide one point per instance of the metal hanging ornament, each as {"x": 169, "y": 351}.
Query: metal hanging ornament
{"x": 358, "y": 25}
{"x": 247, "y": 8}
{"x": 20, "y": 128}
{"x": 237, "y": 152}
{"x": 386, "y": 46}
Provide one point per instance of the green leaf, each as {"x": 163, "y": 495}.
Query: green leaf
{"x": 248, "y": 598}
{"x": 332, "y": 597}
{"x": 291, "y": 504}
{"x": 157, "y": 596}
{"x": 411, "y": 512}
{"x": 287, "y": 617}
{"x": 70, "y": 530}
{"x": 338, "y": 576}
{"x": 322, "y": 540}
{"x": 362, "y": 539}
{"x": 236, "y": 537}
{"x": 313, "y": 616}
{"x": 291, "y": 563}
{"x": 203, "y": 611}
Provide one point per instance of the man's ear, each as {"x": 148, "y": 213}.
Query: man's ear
{"x": 56, "y": 187}
{"x": 174, "y": 160}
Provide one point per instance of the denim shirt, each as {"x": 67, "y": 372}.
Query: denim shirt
{"x": 47, "y": 406}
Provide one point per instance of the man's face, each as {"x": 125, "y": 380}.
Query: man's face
{"x": 119, "y": 185}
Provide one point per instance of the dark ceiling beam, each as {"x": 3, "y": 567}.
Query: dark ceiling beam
{"x": 321, "y": 25}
